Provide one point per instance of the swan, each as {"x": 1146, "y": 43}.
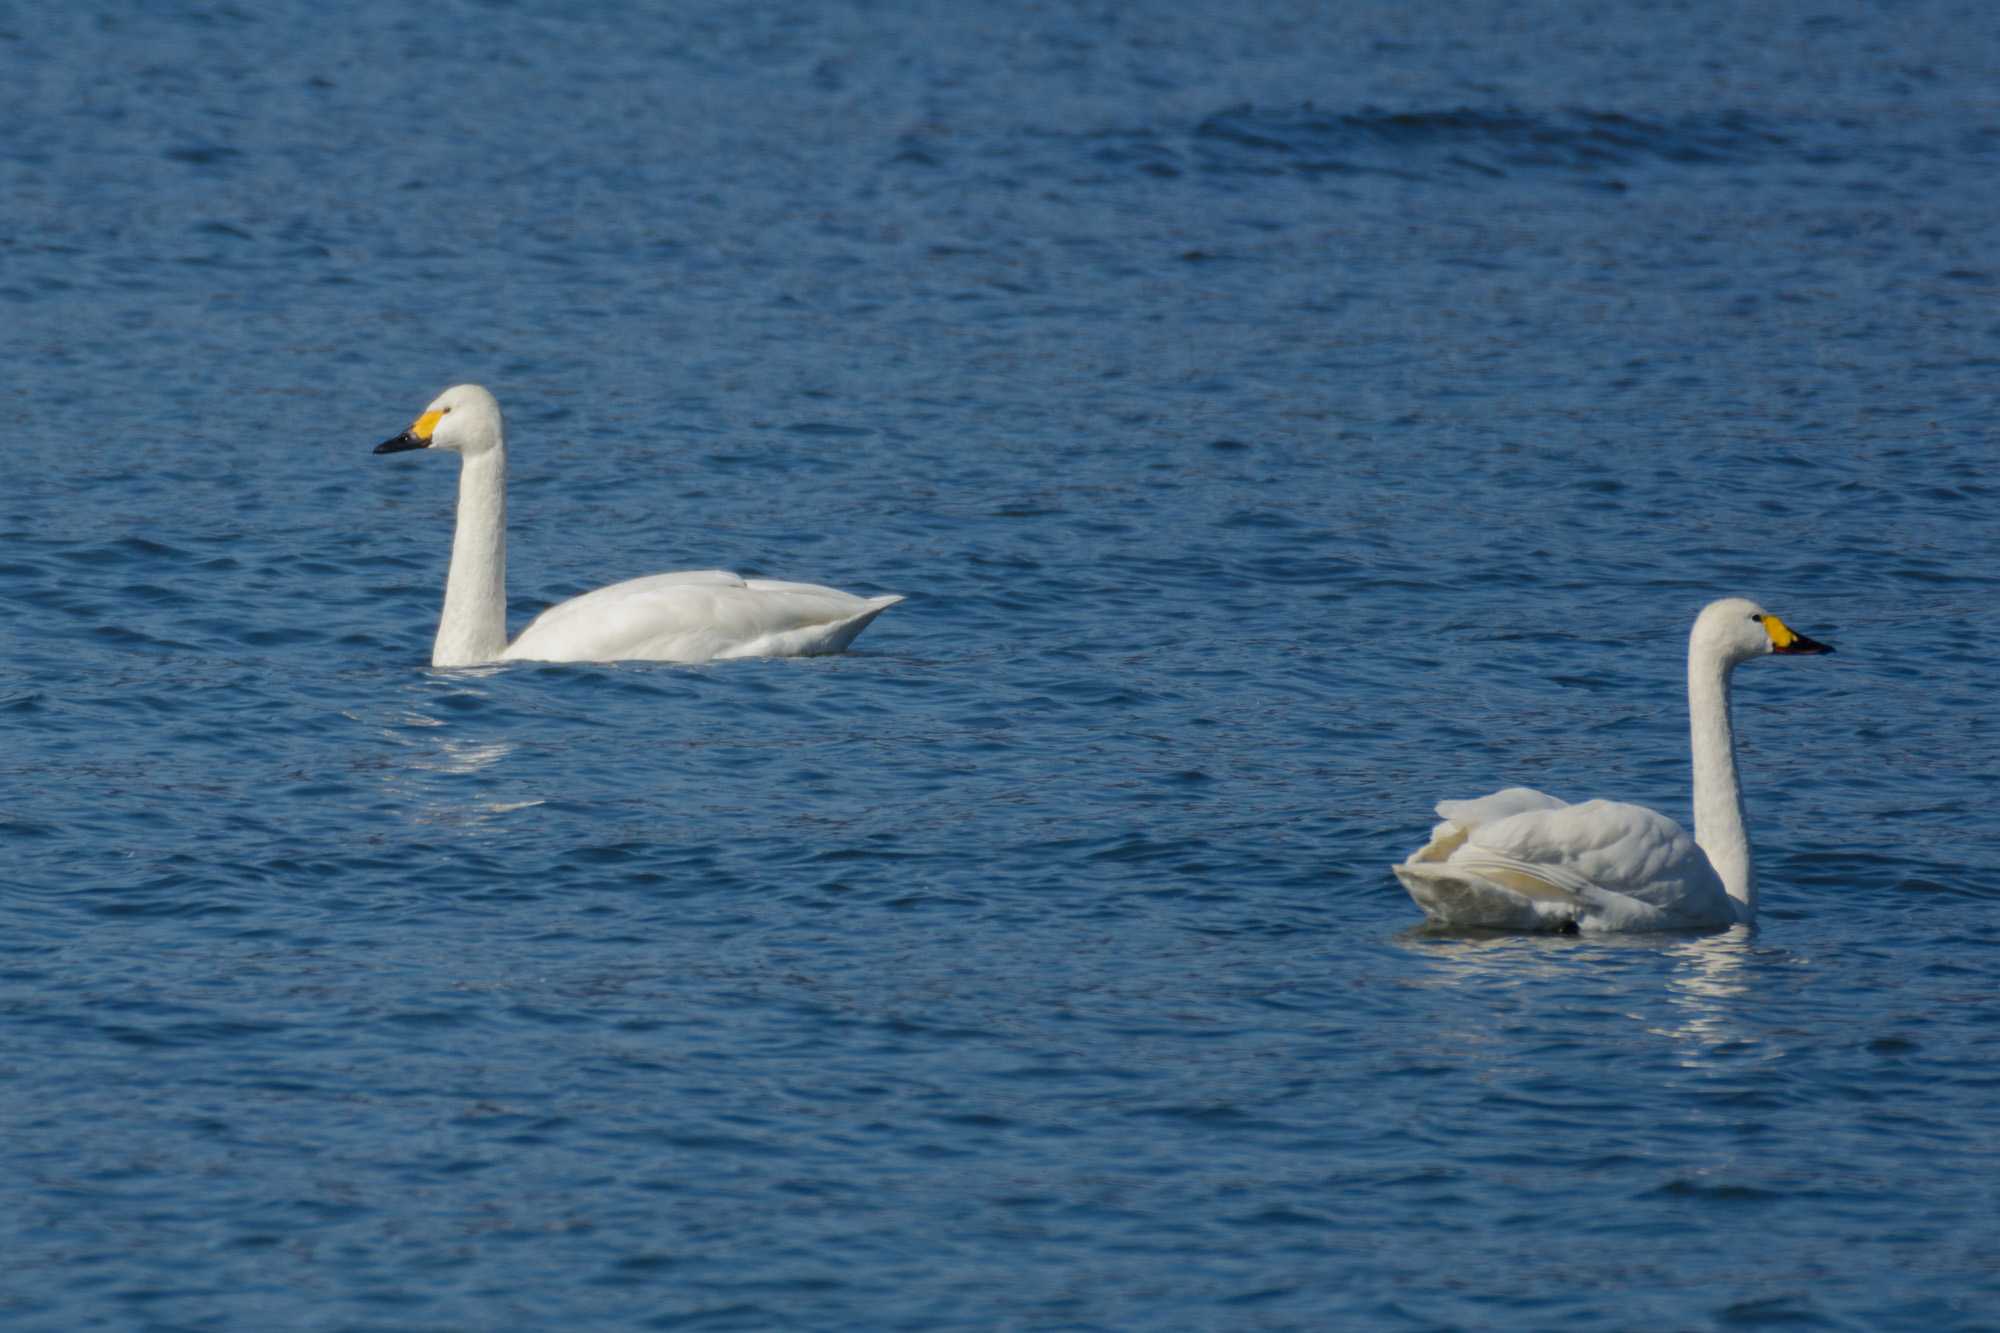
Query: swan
{"x": 1521, "y": 859}
{"x": 689, "y": 616}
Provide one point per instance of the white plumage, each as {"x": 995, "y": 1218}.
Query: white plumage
{"x": 694, "y": 616}
{"x": 690, "y": 616}
{"x": 1524, "y": 860}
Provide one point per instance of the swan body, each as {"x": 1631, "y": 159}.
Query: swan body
{"x": 1524, "y": 860}
{"x": 690, "y": 616}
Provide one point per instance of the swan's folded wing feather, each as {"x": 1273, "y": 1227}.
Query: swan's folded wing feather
{"x": 1452, "y": 896}
{"x": 1490, "y": 809}
{"x": 777, "y": 619}
{"x": 696, "y": 616}
{"x": 1460, "y": 818}
{"x": 1625, "y": 851}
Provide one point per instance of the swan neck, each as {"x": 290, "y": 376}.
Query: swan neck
{"x": 473, "y": 628}
{"x": 1719, "y": 827}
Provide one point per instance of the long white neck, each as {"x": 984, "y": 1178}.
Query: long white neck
{"x": 1718, "y": 801}
{"x": 473, "y": 628}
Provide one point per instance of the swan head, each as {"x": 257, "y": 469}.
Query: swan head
{"x": 1736, "y": 629}
{"x": 464, "y": 419}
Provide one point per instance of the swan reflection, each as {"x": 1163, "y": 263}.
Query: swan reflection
{"x": 1689, "y": 989}
{"x": 439, "y": 775}
{"x": 1706, "y": 987}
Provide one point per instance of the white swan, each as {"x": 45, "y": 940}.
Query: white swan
{"x": 691, "y": 616}
{"x": 1523, "y": 860}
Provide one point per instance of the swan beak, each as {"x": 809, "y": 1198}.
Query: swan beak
{"x": 418, "y": 436}
{"x": 1785, "y": 639}
{"x": 406, "y": 440}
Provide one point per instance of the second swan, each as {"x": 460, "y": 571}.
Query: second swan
{"x": 1524, "y": 860}
{"x": 690, "y": 616}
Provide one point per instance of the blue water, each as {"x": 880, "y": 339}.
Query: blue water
{"x": 1279, "y": 420}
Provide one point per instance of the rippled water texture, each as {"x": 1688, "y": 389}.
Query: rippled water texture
{"x": 1278, "y": 420}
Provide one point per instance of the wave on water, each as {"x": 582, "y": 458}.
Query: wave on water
{"x": 1437, "y": 145}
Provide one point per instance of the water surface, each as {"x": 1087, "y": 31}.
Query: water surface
{"x": 1279, "y": 421}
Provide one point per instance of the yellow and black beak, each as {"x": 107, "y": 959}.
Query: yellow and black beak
{"x": 418, "y": 436}
{"x": 1785, "y": 639}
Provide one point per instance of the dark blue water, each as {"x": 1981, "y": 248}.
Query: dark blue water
{"x": 1278, "y": 419}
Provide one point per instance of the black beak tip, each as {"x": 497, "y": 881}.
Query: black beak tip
{"x": 401, "y": 443}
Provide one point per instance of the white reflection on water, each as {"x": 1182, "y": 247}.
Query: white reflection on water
{"x": 1707, "y": 988}
{"x": 1493, "y": 958}
{"x": 1698, "y": 996}
{"x": 464, "y": 757}
{"x": 431, "y": 760}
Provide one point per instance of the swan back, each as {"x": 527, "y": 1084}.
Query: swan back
{"x": 697, "y": 616}
{"x": 1524, "y": 860}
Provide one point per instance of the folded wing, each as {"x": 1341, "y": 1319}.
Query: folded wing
{"x": 697, "y": 616}
{"x": 1523, "y": 860}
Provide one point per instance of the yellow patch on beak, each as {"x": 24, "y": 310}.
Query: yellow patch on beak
{"x": 1782, "y": 635}
{"x": 425, "y": 424}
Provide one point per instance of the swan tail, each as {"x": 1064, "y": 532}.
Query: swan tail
{"x": 1452, "y": 895}
{"x": 821, "y": 639}
{"x": 844, "y": 633}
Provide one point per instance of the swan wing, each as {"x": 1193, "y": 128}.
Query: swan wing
{"x": 1520, "y": 859}
{"x": 1628, "y": 850}
{"x": 1492, "y": 809}
{"x": 697, "y": 616}
{"x": 1461, "y": 818}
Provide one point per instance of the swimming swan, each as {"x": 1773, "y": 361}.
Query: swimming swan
{"x": 690, "y": 616}
{"x": 1523, "y": 860}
